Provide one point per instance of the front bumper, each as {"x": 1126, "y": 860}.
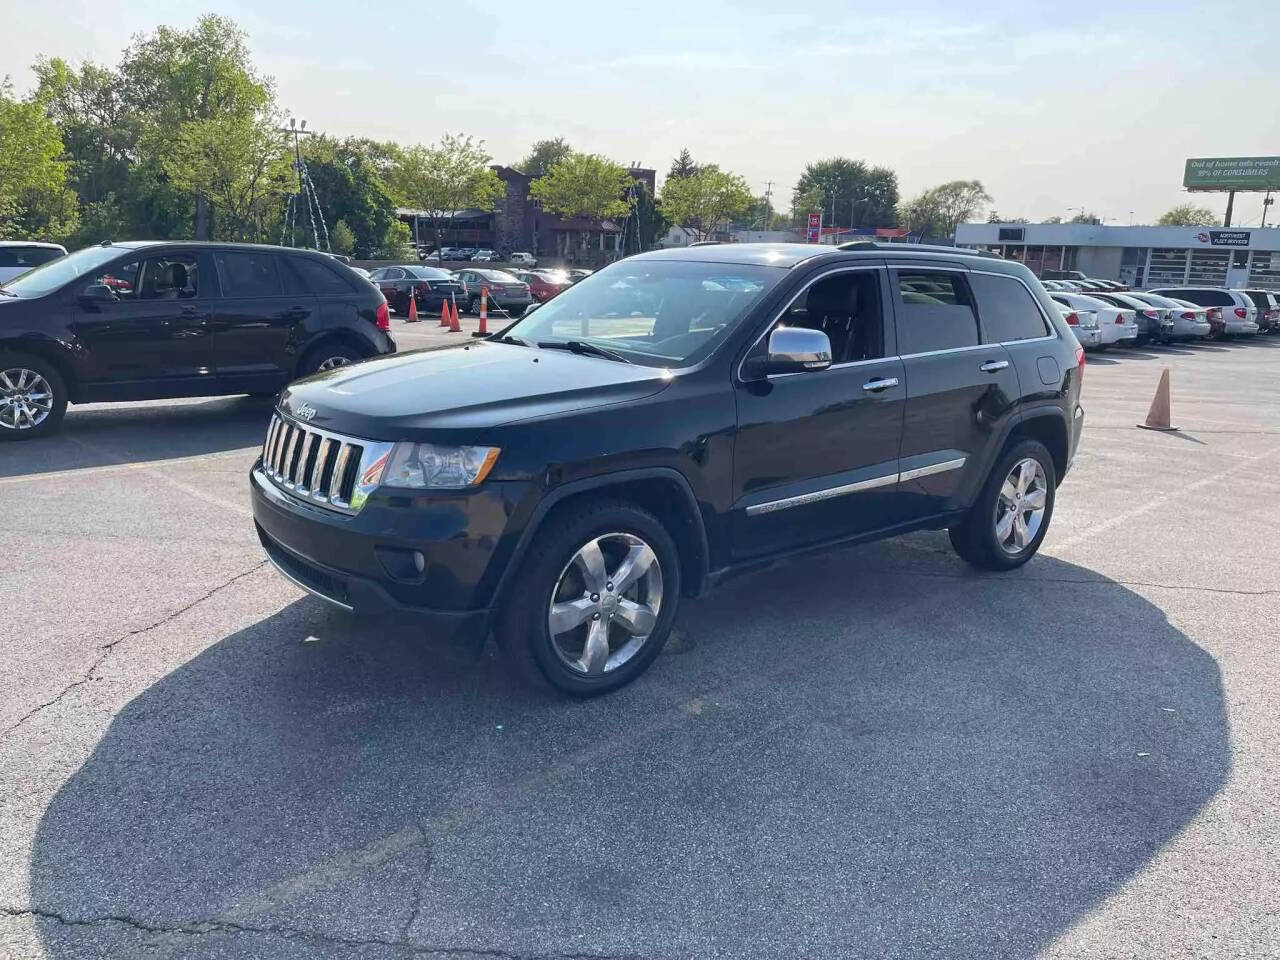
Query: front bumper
{"x": 363, "y": 563}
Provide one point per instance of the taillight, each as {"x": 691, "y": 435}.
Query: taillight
{"x": 383, "y": 319}
{"x": 1189, "y": 315}
{"x": 1121, "y": 318}
{"x": 424, "y": 287}
{"x": 1151, "y": 314}
{"x": 1080, "y": 364}
{"x": 1241, "y": 312}
{"x": 1072, "y": 320}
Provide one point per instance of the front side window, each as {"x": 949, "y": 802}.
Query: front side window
{"x": 123, "y": 279}
{"x": 172, "y": 277}
{"x": 936, "y": 312}
{"x": 248, "y": 273}
{"x": 656, "y": 312}
{"x": 1007, "y": 309}
{"x": 304, "y": 275}
{"x": 846, "y": 307}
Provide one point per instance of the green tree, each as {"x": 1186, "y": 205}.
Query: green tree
{"x": 544, "y": 155}
{"x": 1188, "y": 215}
{"x": 32, "y": 173}
{"x": 342, "y": 239}
{"x": 239, "y": 166}
{"x": 864, "y": 196}
{"x": 1051, "y": 220}
{"x": 937, "y": 211}
{"x": 705, "y": 201}
{"x": 445, "y": 178}
{"x": 1086, "y": 217}
{"x": 349, "y": 181}
{"x": 172, "y": 78}
{"x": 682, "y": 166}
{"x": 646, "y": 221}
{"x": 396, "y": 243}
{"x": 584, "y": 185}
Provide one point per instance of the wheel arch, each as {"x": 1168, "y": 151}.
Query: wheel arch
{"x": 663, "y": 491}
{"x": 340, "y": 335}
{"x": 1048, "y": 426}
{"x": 52, "y": 354}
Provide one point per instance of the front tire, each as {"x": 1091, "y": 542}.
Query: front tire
{"x": 594, "y": 599}
{"x": 1008, "y": 521}
{"x": 33, "y": 397}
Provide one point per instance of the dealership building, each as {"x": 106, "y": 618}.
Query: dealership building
{"x": 1137, "y": 256}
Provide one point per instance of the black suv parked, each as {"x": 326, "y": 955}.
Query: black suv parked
{"x": 672, "y": 419}
{"x": 143, "y": 321}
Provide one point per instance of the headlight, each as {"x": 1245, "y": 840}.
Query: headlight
{"x": 428, "y": 466}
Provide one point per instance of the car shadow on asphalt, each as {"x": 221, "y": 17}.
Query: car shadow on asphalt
{"x": 874, "y": 753}
{"x": 96, "y": 436}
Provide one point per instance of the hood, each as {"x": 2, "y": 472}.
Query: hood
{"x": 477, "y": 385}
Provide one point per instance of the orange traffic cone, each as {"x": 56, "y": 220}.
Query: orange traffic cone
{"x": 484, "y": 310}
{"x": 1158, "y": 415}
{"x": 413, "y": 310}
{"x": 444, "y": 313}
{"x": 454, "y": 326}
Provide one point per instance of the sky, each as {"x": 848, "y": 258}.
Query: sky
{"x": 1052, "y": 105}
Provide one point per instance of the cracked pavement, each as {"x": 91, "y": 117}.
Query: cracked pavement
{"x": 876, "y": 753}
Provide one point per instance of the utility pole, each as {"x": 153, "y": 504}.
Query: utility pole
{"x": 1231, "y": 202}
{"x": 768, "y": 207}
{"x": 1267, "y": 201}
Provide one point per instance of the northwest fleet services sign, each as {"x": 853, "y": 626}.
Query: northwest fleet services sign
{"x": 1232, "y": 173}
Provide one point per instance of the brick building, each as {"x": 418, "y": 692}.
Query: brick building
{"x": 520, "y": 223}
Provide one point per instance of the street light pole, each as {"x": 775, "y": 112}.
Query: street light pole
{"x": 298, "y": 130}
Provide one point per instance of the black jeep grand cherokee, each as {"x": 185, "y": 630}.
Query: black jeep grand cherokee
{"x": 672, "y": 419}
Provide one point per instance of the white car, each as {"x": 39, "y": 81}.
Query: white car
{"x": 1189, "y": 321}
{"x": 1239, "y": 312}
{"x": 1084, "y": 324}
{"x": 1154, "y": 323}
{"x": 19, "y": 256}
{"x": 1116, "y": 324}
{"x": 524, "y": 259}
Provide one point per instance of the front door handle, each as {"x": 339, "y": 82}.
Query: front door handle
{"x": 991, "y": 366}
{"x": 880, "y": 383}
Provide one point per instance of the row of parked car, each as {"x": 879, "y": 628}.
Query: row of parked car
{"x": 474, "y": 254}
{"x": 1104, "y": 312}
{"x": 510, "y": 291}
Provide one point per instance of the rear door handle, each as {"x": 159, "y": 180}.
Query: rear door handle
{"x": 991, "y": 366}
{"x": 880, "y": 383}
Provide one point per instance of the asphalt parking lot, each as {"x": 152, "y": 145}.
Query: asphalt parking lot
{"x": 875, "y": 753}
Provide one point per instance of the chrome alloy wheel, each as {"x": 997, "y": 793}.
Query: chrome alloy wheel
{"x": 1021, "y": 505}
{"x": 26, "y": 399}
{"x": 605, "y": 605}
{"x": 332, "y": 363}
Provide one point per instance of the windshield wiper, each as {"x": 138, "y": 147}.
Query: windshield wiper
{"x": 7, "y": 293}
{"x": 507, "y": 338}
{"x": 583, "y": 347}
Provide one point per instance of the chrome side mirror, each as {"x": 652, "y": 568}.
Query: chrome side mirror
{"x": 797, "y": 349}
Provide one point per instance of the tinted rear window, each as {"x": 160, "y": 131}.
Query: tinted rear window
{"x": 1007, "y": 309}
{"x": 27, "y": 257}
{"x": 1261, "y": 299}
{"x": 248, "y": 274}
{"x": 304, "y": 275}
{"x": 429, "y": 273}
{"x": 936, "y": 312}
{"x": 1206, "y": 298}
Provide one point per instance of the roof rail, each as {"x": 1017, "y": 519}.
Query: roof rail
{"x": 917, "y": 248}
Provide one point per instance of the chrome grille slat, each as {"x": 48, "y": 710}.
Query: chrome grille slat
{"x": 323, "y": 468}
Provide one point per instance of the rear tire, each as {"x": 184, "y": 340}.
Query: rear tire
{"x": 1003, "y": 529}
{"x": 632, "y": 618}
{"x": 33, "y": 397}
{"x": 327, "y": 356}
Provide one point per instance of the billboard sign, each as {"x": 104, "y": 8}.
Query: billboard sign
{"x": 814, "y": 232}
{"x": 1232, "y": 173}
{"x": 1224, "y": 238}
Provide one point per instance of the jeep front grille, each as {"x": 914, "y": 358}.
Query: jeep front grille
{"x": 322, "y": 468}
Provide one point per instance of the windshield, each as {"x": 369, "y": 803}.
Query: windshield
{"x": 657, "y": 312}
{"x": 57, "y": 273}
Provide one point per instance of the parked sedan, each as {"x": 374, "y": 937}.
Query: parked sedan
{"x": 1239, "y": 313}
{"x": 1116, "y": 324}
{"x": 543, "y": 285}
{"x": 1154, "y": 323}
{"x": 1189, "y": 320}
{"x": 505, "y": 291}
{"x": 430, "y": 287}
{"x": 1084, "y": 324}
